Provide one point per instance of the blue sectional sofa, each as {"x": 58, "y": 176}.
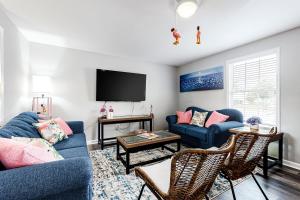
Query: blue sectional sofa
{"x": 201, "y": 137}
{"x": 66, "y": 179}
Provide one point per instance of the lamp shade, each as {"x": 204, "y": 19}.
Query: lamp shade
{"x": 41, "y": 84}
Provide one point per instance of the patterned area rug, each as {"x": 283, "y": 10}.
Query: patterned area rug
{"x": 111, "y": 181}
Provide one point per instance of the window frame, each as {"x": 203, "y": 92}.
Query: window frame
{"x": 278, "y": 90}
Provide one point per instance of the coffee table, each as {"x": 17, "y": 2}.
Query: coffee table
{"x": 133, "y": 143}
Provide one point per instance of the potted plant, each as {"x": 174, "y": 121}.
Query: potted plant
{"x": 254, "y": 123}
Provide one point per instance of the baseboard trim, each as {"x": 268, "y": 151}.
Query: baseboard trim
{"x": 291, "y": 164}
{"x": 90, "y": 142}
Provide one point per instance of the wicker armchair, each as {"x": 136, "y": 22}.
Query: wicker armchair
{"x": 188, "y": 175}
{"x": 248, "y": 150}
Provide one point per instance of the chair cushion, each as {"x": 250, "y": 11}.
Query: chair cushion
{"x": 160, "y": 174}
{"x": 75, "y": 140}
{"x": 179, "y": 128}
{"x": 74, "y": 152}
{"x": 197, "y": 132}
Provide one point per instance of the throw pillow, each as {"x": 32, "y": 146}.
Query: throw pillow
{"x": 199, "y": 118}
{"x": 15, "y": 153}
{"x": 51, "y": 131}
{"x": 184, "y": 117}
{"x": 215, "y": 118}
{"x": 68, "y": 131}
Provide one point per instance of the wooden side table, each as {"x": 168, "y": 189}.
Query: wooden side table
{"x": 268, "y": 161}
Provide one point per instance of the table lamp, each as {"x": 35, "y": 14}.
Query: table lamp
{"x": 41, "y": 85}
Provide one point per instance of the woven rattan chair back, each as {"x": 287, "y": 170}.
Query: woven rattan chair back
{"x": 248, "y": 150}
{"x": 193, "y": 171}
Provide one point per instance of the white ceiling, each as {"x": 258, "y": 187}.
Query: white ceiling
{"x": 140, "y": 29}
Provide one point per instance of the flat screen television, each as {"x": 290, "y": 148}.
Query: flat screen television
{"x": 120, "y": 86}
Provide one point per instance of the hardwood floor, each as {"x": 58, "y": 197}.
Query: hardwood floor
{"x": 282, "y": 184}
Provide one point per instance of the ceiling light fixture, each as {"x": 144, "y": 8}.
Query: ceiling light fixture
{"x": 187, "y": 8}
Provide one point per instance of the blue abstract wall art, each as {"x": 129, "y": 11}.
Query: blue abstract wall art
{"x": 209, "y": 79}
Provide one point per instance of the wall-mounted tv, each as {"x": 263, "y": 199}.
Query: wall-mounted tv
{"x": 120, "y": 86}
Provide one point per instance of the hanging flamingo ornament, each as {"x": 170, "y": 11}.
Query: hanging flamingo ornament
{"x": 198, "y": 34}
{"x": 176, "y": 36}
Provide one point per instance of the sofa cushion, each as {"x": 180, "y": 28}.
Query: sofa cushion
{"x": 75, "y": 140}
{"x": 51, "y": 131}
{"x": 16, "y": 131}
{"x": 179, "y": 128}
{"x": 18, "y": 122}
{"x": 197, "y": 132}
{"x": 21, "y": 153}
{"x": 74, "y": 152}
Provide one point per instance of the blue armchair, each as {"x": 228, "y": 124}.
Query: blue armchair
{"x": 201, "y": 137}
{"x": 70, "y": 178}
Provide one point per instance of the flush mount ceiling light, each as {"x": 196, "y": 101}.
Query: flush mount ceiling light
{"x": 187, "y": 8}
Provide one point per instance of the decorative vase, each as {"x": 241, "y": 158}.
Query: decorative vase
{"x": 110, "y": 113}
{"x": 103, "y": 112}
{"x": 254, "y": 127}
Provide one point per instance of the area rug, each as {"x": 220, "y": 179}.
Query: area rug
{"x": 111, "y": 182}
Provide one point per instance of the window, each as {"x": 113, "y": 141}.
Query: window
{"x": 254, "y": 86}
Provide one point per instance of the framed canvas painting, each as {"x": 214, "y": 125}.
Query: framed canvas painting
{"x": 208, "y": 79}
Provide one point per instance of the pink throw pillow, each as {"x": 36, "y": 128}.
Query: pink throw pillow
{"x": 63, "y": 125}
{"x": 184, "y": 117}
{"x": 15, "y": 154}
{"x": 215, "y": 118}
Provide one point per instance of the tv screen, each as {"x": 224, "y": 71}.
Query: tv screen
{"x": 120, "y": 86}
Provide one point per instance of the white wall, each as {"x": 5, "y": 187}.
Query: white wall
{"x": 73, "y": 75}
{"x": 289, "y": 44}
{"x": 15, "y": 69}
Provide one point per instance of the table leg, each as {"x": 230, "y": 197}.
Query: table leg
{"x": 265, "y": 164}
{"x": 151, "y": 125}
{"x": 143, "y": 125}
{"x": 102, "y": 135}
{"x": 118, "y": 151}
{"x": 178, "y": 145}
{"x": 280, "y": 151}
{"x": 99, "y": 139}
{"x": 127, "y": 162}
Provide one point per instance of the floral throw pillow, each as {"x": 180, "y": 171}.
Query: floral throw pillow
{"x": 199, "y": 118}
{"x": 40, "y": 143}
{"x": 51, "y": 131}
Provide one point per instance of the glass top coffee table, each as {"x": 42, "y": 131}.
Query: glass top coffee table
{"x": 134, "y": 143}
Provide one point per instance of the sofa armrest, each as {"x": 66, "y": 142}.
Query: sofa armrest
{"x": 218, "y": 133}
{"x": 76, "y": 126}
{"x": 225, "y": 126}
{"x": 171, "y": 119}
{"x": 39, "y": 181}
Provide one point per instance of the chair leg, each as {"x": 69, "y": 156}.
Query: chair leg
{"x": 141, "y": 191}
{"x": 232, "y": 190}
{"x": 206, "y": 197}
{"x": 262, "y": 191}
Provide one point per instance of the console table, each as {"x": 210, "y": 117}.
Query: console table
{"x": 120, "y": 120}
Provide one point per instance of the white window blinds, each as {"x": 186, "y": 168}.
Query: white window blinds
{"x": 253, "y": 86}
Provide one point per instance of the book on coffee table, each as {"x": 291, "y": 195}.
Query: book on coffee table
{"x": 148, "y": 135}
